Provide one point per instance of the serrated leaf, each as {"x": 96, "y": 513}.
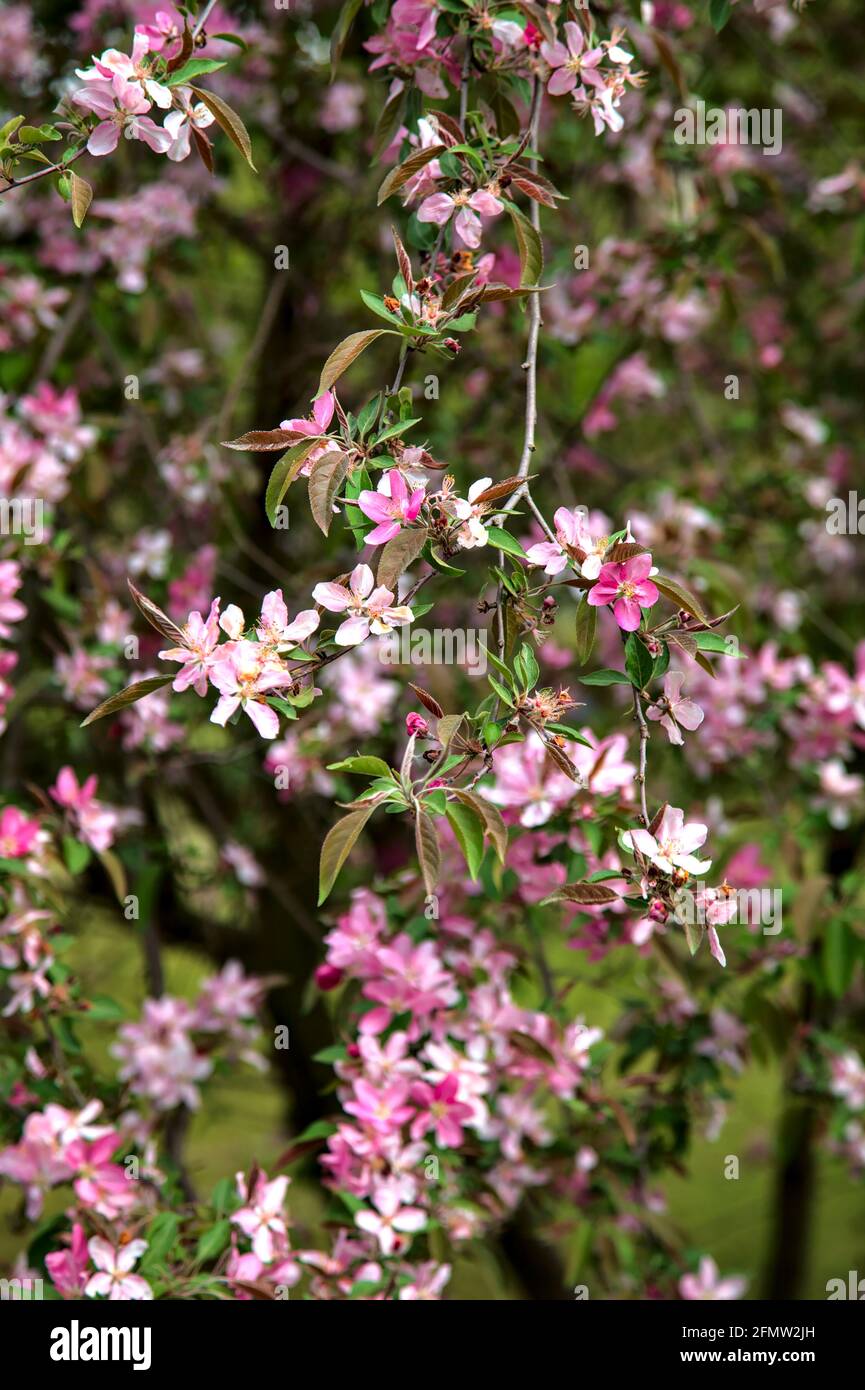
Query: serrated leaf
{"x": 681, "y": 596}
{"x": 364, "y": 764}
{"x": 593, "y": 894}
{"x": 403, "y": 172}
{"x": 266, "y": 441}
{"x": 338, "y": 844}
{"x": 124, "y": 698}
{"x": 155, "y": 616}
{"x": 428, "y": 850}
{"x": 347, "y": 352}
{"x": 324, "y": 484}
{"x": 604, "y": 677}
{"x": 228, "y": 120}
{"x": 196, "y": 67}
{"x": 428, "y": 701}
{"x": 398, "y": 554}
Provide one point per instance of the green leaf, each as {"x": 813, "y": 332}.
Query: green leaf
{"x": 714, "y": 642}
{"x": 682, "y": 597}
{"x": 364, "y": 764}
{"x": 639, "y": 663}
{"x": 500, "y": 690}
{"x": 347, "y": 16}
{"x": 605, "y": 677}
{"x": 502, "y": 540}
{"x": 338, "y": 844}
{"x": 160, "y": 1236}
{"x": 496, "y": 830}
{"x": 839, "y": 957}
{"x": 76, "y": 855}
{"x": 196, "y": 67}
{"x": 719, "y": 13}
{"x": 284, "y": 474}
{"x": 212, "y": 1243}
{"x": 104, "y": 1009}
{"x": 35, "y": 135}
{"x": 469, "y": 831}
{"x": 529, "y": 245}
{"x": 586, "y": 630}
{"x": 81, "y": 196}
{"x": 428, "y": 850}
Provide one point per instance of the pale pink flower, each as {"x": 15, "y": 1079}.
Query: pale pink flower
{"x": 68, "y": 1267}
{"x": 180, "y": 123}
{"x": 244, "y": 678}
{"x": 317, "y": 424}
{"x": 273, "y": 627}
{"x": 389, "y": 1218}
{"x": 440, "y": 207}
{"x": 391, "y": 505}
{"x": 569, "y": 61}
{"x": 201, "y": 637}
{"x": 628, "y": 588}
{"x": 672, "y": 710}
{"x": 673, "y": 844}
{"x": 572, "y": 533}
{"x": 369, "y": 609}
{"x": 263, "y": 1219}
{"x": 121, "y": 106}
{"x": 708, "y": 1284}
{"x": 526, "y": 779}
{"x": 113, "y": 1279}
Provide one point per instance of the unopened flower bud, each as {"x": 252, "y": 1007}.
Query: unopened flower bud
{"x": 416, "y": 724}
{"x": 328, "y": 977}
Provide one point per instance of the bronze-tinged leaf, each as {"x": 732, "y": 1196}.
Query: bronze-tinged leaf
{"x": 325, "y": 481}
{"x": 403, "y": 260}
{"x": 622, "y": 551}
{"x": 155, "y": 616}
{"x": 428, "y": 850}
{"x": 134, "y": 692}
{"x": 668, "y": 60}
{"x": 346, "y": 352}
{"x": 693, "y": 936}
{"x": 203, "y": 148}
{"x": 398, "y": 554}
{"x": 491, "y": 816}
{"x": 228, "y": 120}
{"x": 561, "y": 760}
{"x": 535, "y": 190}
{"x": 115, "y": 871}
{"x": 338, "y": 844}
{"x": 266, "y": 441}
{"x": 657, "y": 818}
{"x": 586, "y": 630}
{"x": 503, "y": 489}
{"x": 80, "y": 196}
{"x": 283, "y": 475}
{"x": 184, "y": 53}
{"x": 455, "y": 289}
{"x": 447, "y": 729}
{"x": 403, "y": 172}
{"x": 702, "y": 660}
{"x": 681, "y": 596}
{"x": 388, "y": 124}
{"x": 683, "y": 640}
{"x": 590, "y": 894}
{"x": 428, "y": 701}
{"x": 448, "y": 126}
{"x": 491, "y": 294}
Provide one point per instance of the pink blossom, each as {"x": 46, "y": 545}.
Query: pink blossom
{"x": 122, "y": 107}
{"x": 382, "y": 1110}
{"x": 389, "y": 1218}
{"x": 68, "y": 1267}
{"x": 113, "y": 1279}
{"x": 18, "y": 835}
{"x": 200, "y": 640}
{"x": 316, "y": 425}
{"x": 391, "y": 505}
{"x": 708, "y": 1284}
{"x": 440, "y": 1111}
{"x": 244, "y": 678}
{"x": 99, "y": 1183}
{"x": 370, "y": 609}
{"x": 570, "y": 63}
{"x": 97, "y": 823}
{"x": 672, "y": 710}
{"x": 263, "y": 1219}
{"x": 526, "y": 779}
{"x": 572, "y": 533}
{"x": 440, "y": 207}
{"x": 673, "y": 844}
{"x": 628, "y": 587}
{"x": 273, "y": 627}
{"x": 11, "y": 611}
